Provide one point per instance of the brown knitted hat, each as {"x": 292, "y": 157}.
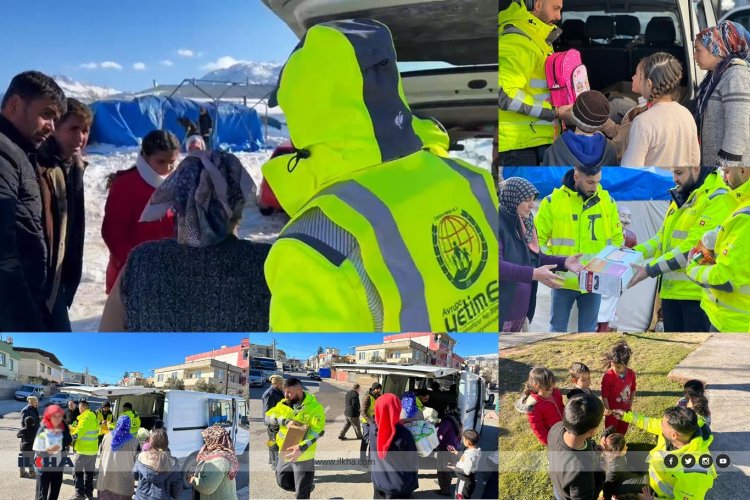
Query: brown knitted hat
{"x": 591, "y": 110}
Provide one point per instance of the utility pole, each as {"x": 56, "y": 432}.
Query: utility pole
{"x": 273, "y": 343}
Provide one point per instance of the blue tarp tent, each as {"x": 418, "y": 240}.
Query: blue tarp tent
{"x": 645, "y": 191}
{"x": 124, "y": 122}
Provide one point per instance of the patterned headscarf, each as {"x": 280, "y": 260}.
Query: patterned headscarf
{"x": 409, "y": 403}
{"x": 218, "y": 445}
{"x": 513, "y": 191}
{"x": 208, "y": 190}
{"x": 121, "y": 434}
{"x": 729, "y": 41}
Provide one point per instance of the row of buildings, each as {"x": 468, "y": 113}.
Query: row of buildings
{"x": 30, "y": 365}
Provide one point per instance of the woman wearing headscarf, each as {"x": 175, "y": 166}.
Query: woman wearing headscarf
{"x": 53, "y": 437}
{"x": 409, "y": 409}
{"x": 449, "y": 435}
{"x": 217, "y": 466}
{"x": 207, "y": 279}
{"x": 118, "y": 451}
{"x": 522, "y": 264}
{"x": 722, "y": 106}
{"x": 394, "y": 459}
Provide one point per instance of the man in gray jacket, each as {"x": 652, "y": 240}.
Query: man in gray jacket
{"x": 271, "y": 398}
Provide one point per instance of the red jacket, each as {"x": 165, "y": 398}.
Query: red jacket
{"x": 121, "y": 231}
{"x": 618, "y": 392}
{"x": 544, "y": 414}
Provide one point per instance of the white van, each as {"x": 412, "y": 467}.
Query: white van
{"x": 30, "y": 390}
{"x": 184, "y": 413}
{"x": 462, "y": 387}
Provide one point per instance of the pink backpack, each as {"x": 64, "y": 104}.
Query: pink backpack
{"x": 566, "y": 77}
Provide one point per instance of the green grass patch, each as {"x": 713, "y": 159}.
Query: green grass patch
{"x": 523, "y": 459}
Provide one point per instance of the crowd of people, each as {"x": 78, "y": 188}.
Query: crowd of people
{"x": 119, "y": 459}
{"x": 371, "y": 262}
{"x": 582, "y": 469}
{"x": 695, "y": 254}
{"x": 384, "y": 425}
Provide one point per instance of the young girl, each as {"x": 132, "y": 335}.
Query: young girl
{"x": 541, "y": 402}
{"x": 618, "y": 385}
{"x": 666, "y": 134}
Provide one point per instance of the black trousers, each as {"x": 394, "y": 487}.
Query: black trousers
{"x": 48, "y": 484}
{"x": 444, "y": 473}
{"x": 529, "y": 157}
{"x": 296, "y": 476}
{"x": 376, "y": 493}
{"x": 84, "y": 468}
{"x": 465, "y": 485}
{"x": 684, "y": 316}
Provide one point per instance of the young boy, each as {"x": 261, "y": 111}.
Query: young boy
{"x": 467, "y": 465}
{"x": 587, "y": 146}
{"x": 27, "y": 436}
{"x": 580, "y": 377}
{"x": 692, "y": 387}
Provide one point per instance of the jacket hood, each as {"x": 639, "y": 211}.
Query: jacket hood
{"x": 587, "y": 149}
{"x": 341, "y": 93}
{"x": 525, "y": 404}
{"x": 155, "y": 466}
{"x": 543, "y": 34}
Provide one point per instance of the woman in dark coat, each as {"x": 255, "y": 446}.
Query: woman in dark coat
{"x": 522, "y": 264}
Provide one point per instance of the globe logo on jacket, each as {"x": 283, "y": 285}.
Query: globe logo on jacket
{"x": 460, "y": 248}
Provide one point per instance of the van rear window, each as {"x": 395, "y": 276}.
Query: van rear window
{"x": 220, "y": 412}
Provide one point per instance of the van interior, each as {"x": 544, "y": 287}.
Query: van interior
{"x": 614, "y": 35}
{"x": 149, "y": 407}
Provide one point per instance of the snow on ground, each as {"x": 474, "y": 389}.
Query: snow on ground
{"x": 105, "y": 160}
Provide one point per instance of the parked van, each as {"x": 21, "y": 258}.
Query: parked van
{"x": 256, "y": 378}
{"x": 30, "y": 390}
{"x": 614, "y": 35}
{"x": 184, "y": 413}
{"x": 462, "y": 387}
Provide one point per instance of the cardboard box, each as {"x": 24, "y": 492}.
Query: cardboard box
{"x": 609, "y": 272}
{"x": 295, "y": 433}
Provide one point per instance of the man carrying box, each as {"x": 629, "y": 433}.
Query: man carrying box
{"x": 699, "y": 205}
{"x": 301, "y": 420}
{"x": 577, "y": 218}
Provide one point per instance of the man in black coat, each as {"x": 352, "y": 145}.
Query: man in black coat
{"x": 71, "y": 413}
{"x": 28, "y": 112}
{"x": 31, "y": 410}
{"x": 61, "y": 169}
{"x": 351, "y": 412}
{"x": 206, "y": 124}
{"x": 271, "y": 398}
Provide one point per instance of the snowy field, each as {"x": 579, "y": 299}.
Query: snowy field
{"x": 104, "y": 160}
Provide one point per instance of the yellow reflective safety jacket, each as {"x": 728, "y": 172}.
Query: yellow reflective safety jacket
{"x": 568, "y": 224}
{"x": 677, "y": 482}
{"x": 526, "y": 118}
{"x": 86, "y": 430}
{"x": 726, "y": 284}
{"x": 384, "y": 235}
{"x": 684, "y": 226}
{"x": 310, "y": 412}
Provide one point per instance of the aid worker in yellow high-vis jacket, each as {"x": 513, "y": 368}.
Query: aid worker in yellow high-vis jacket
{"x": 577, "y": 218}
{"x": 386, "y": 232}
{"x": 527, "y": 121}
{"x": 700, "y": 203}
{"x": 726, "y": 284}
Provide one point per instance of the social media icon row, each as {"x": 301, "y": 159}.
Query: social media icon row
{"x": 705, "y": 461}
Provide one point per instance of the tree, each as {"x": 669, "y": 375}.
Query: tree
{"x": 202, "y": 386}
{"x": 175, "y": 383}
{"x": 126, "y": 375}
{"x": 376, "y": 358}
{"x": 320, "y": 350}
{"x": 149, "y": 384}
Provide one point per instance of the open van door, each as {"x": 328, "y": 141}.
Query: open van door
{"x": 471, "y": 401}
{"x": 241, "y": 437}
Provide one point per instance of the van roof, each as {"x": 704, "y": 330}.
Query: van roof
{"x": 137, "y": 390}
{"x": 406, "y": 370}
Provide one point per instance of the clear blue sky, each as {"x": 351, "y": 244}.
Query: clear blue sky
{"x": 303, "y": 345}
{"x": 58, "y": 37}
{"x": 109, "y": 356}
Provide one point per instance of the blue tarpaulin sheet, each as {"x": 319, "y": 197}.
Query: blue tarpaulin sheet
{"x": 623, "y": 183}
{"x": 126, "y": 122}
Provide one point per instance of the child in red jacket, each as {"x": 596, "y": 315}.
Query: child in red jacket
{"x": 618, "y": 385}
{"x": 541, "y": 402}
{"x": 129, "y": 193}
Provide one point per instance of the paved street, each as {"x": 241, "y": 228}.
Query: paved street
{"x": 14, "y": 487}
{"x": 336, "y": 481}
